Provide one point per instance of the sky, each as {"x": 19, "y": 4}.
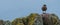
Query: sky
{"x": 11, "y": 9}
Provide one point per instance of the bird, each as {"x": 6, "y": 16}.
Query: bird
{"x": 44, "y": 8}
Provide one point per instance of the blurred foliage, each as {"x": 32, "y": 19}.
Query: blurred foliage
{"x": 7, "y": 22}
{"x": 25, "y": 21}
{"x": 29, "y": 20}
{"x": 17, "y": 21}
{"x": 1, "y": 22}
{"x": 55, "y": 19}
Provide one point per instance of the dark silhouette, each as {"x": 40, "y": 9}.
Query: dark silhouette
{"x": 44, "y": 8}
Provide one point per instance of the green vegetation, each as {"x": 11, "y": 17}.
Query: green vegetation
{"x": 30, "y": 20}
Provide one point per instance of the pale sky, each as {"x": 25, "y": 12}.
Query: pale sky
{"x": 11, "y": 9}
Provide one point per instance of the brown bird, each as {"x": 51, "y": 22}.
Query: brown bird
{"x": 44, "y": 8}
